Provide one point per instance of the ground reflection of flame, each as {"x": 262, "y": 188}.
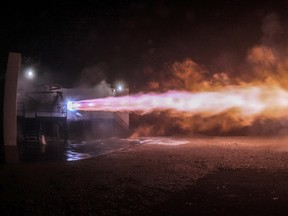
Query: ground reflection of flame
{"x": 160, "y": 141}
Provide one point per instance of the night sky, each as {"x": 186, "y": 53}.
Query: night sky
{"x": 125, "y": 39}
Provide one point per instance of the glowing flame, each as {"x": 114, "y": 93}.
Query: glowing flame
{"x": 247, "y": 101}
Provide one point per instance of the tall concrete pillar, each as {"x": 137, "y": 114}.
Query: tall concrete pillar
{"x": 9, "y": 111}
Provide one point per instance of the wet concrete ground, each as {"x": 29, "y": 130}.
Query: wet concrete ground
{"x": 55, "y": 150}
{"x": 152, "y": 176}
{"x": 73, "y": 150}
{"x": 58, "y": 150}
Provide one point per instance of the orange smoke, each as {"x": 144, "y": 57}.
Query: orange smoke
{"x": 265, "y": 74}
{"x": 232, "y": 106}
{"x": 246, "y": 101}
{"x": 261, "y": 78}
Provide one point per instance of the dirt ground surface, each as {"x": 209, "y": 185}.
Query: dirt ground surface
{"x": 206, "y": 176}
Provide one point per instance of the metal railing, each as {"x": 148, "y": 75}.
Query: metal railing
{"x": 42, "y": 110}
{"x": 120, "y": 121}
{"x": 57, "y": 110}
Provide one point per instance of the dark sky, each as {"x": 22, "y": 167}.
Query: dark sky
{"x": 125, "y": 38}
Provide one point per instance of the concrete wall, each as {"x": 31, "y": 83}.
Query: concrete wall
{"x": 9, "y": 111}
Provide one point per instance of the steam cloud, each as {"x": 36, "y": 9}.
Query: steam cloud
{"x": 266, "y": 63}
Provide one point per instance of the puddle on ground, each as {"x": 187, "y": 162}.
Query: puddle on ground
{"x": 77, "y": 150}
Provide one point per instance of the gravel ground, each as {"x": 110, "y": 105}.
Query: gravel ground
{"x": 207, "y": 176}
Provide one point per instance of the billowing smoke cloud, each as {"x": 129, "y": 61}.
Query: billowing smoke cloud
{"x": 266, "y": 64}
{"x": 34, "y": 78}
{"x": 272, "y": 30}
{"x": 91, "y": 84}
{"x": 92, "y": 75}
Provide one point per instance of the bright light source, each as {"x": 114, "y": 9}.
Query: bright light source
{"x": 120, "y": 88}
{"x": 70, "y": 106}
{"x": 30, "y": 74}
